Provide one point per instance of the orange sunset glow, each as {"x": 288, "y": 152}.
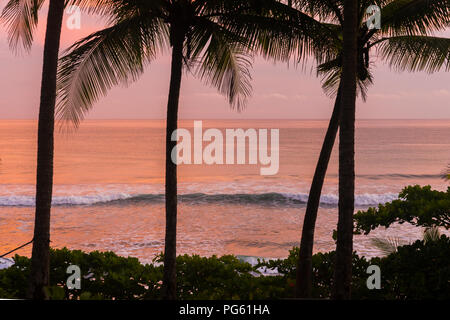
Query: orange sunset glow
{"x": 269, "y": 152}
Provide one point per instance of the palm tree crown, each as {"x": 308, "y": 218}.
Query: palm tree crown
{"x": 138, "y": 32}
{"x": 405, "y": 40}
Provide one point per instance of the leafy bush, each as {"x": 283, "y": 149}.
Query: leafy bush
{"x": 104, "y": 276}
{"x": 323, "y": 268}
{"x": 14, "y": 280}
{"x": 417, "y": 271}
{"x": 222, "y": 278}
{"x": 417, "y": 205}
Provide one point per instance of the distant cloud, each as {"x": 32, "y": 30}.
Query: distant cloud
{"x": 442, "y": 93}
{"x": 399, "y": 95}
{"x": 402, "y": 95}
{"x": 275, "y": 95}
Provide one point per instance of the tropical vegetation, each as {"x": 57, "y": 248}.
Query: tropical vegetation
{"x": 419, "y": 206}
{"x": 416, "y": 271}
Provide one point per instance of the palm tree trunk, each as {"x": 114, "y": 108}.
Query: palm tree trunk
{"x": 40, "y": 258}
{"x": 170, "y": 254}
{"x": 344, "y": 248}
{"x": 304, "y": 266}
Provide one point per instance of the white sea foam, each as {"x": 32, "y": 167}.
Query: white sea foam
{"x": 28, "y": 201}
{"x": 279, "y": 199}
{"x": 365, "y": 199}
{"x": 5, "y": 263}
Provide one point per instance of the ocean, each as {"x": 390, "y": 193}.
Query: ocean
{"x": 109, "y": 185}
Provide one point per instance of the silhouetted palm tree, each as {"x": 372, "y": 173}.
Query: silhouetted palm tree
{"x": 212, "y": 39}
{"x": 21, "y": 18}
{"x": 344, "y": 244}
{"x": 405, "y": 41}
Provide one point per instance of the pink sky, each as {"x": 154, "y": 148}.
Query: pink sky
{"x": 279, "y": 92}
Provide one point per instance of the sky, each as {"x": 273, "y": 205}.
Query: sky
{"x": 279, "y": 91}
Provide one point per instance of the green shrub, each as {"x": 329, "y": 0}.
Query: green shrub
{"x": 417, "y": 271}
{"x": 323, "y": 268}
{"x": 104, "y": 276}
{"x": 14, "y": 280}
{"x": 420, "y": 206}
{"x": 222, "y": 278}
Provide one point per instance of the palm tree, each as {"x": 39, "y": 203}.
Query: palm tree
{"x": 21, "y": 18}
{"x": 344, "y": 244}
{"x": 404, "y": 41}
{"x": 205, "y": 38}
{"x": 212, "y": 39}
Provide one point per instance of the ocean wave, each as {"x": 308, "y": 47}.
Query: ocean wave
{"x": 28, "y": 201}
{"x": 274, "y": 198}
{"x": 399, "y": 176}
{"x": 5, "y": 263}
{"x": 393, "y": 176}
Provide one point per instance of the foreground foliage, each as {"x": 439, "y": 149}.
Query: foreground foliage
{"x": 417, "y": 271}
{"x": 420, "y": 206}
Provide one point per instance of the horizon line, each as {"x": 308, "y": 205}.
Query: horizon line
{"x": 226, "y": 119}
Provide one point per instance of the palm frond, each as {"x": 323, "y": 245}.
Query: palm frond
{"x": 280, "y": 32}
{"x": 325, "y": 10}
{"x": 224, "y": 62}
{"x": 101, "y": 7}
{"x": 21, "y": 19}
{"x": 416, "y": 53}
{"x": 331, "y": 71}
{"x": 431, "y": 234}
{"x": 117, "y": 10}
{"x": 95, "y": 64}
{"x": 388, "y": 245}
{"x": 414, "y": 17}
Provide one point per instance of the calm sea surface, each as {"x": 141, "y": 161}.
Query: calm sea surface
{"x": 109, "y": 178}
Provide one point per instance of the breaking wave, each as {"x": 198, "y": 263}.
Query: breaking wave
{"x": 274, "y": 198}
